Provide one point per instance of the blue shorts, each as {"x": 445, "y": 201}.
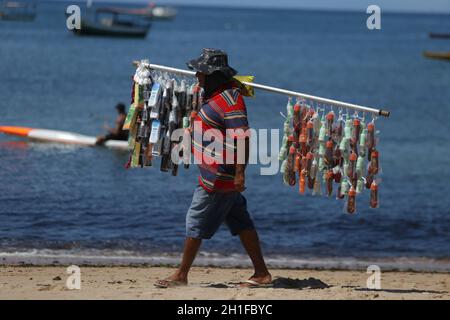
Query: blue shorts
{"x": 209, "y": 210}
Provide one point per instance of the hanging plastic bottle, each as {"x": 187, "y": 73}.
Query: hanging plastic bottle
{"x": 283, "y": 150}
{"x": 289, "y": 109}
{"x": 360, "y": 165}
{"x": 343, "y": 145}
{"x": 339, "y": 194}
{"x": 323, "y": 132}
{"x": 330, "y": 120}
{"x": 186, "y": 137}
{"x": 360, "y": 185}
{"x": 355, "y": 134}
{"x": 351, "y": 200}
{"x": 317, "y": 126}
{"x": 313, "y": 170}
{"x": 337, "y": 174}
{"x": 337, "y": 157}
{"x": 311, "y": 112}
{"x": 286, "y": 167}
{"x": 296, "y": 121}
{"x": 304, "y": 163}
{"x": 322, "y": 149}
{"x": 302, "y": 182}
{"x": 362, "y": 142}
{"x": 329, "y": 159}
{"x": 370, "y": 139}
{"x": 321, "y": 164}
{"x": 283, "y": 169}
{"x": 369, "y": 179}
{"x": 285, "y": 145}
{"x": 329, "y": 182}
{"x": 297, "y": 165}
{"x": 290, "y": 167}
{"x": 345, "y": 168}
{"x": 310, "y": 183}
{"x": 310, "y": 133}
{"x": 317, "y": 190}
{"x": 303, "y": 115}
{"x": 374, "y": 195}
{"x": 339, "y": 131}
{"x": 309, "y": 162}
{"x": 348, "y": 129}
{"x": 287, "y": 130}
{"x": 374, "y": 162}
{"x": 324, "y": 176}
{"x": 303, "y": 141}
{"x": 352, "y": 165}
{"x": 344, "y": 186}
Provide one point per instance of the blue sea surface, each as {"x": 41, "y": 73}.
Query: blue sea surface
{"x": 81, "y": 201}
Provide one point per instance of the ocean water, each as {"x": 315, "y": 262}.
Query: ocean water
{"x": 63, "y": 203}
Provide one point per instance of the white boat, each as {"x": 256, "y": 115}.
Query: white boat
{"x": 64, "y": 137}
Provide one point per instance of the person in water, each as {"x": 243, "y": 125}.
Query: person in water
{"x": 218, "y": 197}
{"x": 115, "y": 133}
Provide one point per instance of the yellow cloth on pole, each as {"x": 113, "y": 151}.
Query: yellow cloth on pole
{"x": 246, "y": 90}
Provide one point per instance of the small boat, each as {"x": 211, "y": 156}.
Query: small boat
{"x": 114, "y": 22}
{"x": 437, "y": 55}
{"x": 439, "y": 35}
{"x": 163, "y": 13}
{"x": 152, "y": 12}
{"x": 18, "y": 10}
{"x": 64, "y": 137}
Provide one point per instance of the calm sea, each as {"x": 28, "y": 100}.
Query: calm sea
{"x": 61, "y": 203}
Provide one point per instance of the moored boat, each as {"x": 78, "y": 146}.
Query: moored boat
{"x": 114, "y": 22}
{"x": 437, "y": 55}
{"x": 435, "y": 35}
{"x": 18, "y": 10}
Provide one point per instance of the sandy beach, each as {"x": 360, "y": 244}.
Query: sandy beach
{"x": 49, "y": 282}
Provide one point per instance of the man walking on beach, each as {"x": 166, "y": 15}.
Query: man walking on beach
{"x": 218, "y": 197}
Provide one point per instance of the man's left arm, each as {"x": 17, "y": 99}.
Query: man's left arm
{"x": 239, "y": 179}
{"x": 236, "y": 120}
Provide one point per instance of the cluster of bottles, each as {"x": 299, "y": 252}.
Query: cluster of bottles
{"x": 320, "y": 150}
{"x": 160, "y": 105}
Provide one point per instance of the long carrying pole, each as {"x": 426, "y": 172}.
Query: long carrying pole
{"x": 337, "y": 103}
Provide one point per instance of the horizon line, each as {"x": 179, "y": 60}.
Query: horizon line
{"x": 262, "y": 7}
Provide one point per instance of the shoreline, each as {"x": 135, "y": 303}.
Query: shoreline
{"x": 119, "y": 282}
{"x": 204, "y": 259}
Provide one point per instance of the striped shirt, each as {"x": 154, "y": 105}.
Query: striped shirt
{"x": 224, "y": 111}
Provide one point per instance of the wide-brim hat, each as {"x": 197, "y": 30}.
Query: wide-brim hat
{"x": 212, "y": 60}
